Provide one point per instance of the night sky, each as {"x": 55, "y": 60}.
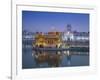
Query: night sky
{"x": 47, "y": 21}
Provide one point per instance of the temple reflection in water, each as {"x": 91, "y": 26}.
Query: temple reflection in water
{"x": 55, "y": 49}
{"x": 51, "y": 58}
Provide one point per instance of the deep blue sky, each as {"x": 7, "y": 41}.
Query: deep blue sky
{"x": 46, "y": 21}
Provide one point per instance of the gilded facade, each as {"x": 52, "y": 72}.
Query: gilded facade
{"x": 51, "y": 39}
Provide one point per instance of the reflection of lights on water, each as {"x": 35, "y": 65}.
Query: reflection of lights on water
{"x": 51, "y": 56}
{"x": 33, "y": 53}
{"x": 66, "y": 52}
{"x": 53, "y": 60}
{"x": 36, "y": 56}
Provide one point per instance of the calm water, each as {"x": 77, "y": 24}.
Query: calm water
{"x": 52, "y": 59}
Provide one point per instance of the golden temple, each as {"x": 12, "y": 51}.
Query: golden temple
{"x": 51, "y": 39}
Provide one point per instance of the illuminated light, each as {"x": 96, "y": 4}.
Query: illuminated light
{"x": 59, "y": 52}
{"x": 65, "y": 52}
{"x": 68, "y": 53}
{"x": 51, "y": 39}
{"x": 36, "y": 56}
